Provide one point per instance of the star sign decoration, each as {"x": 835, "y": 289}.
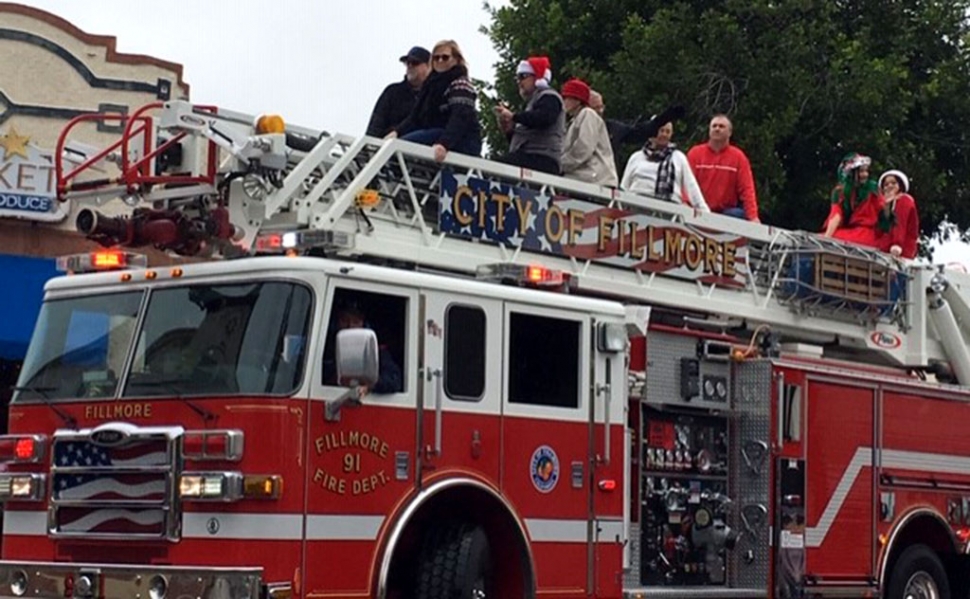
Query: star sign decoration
{"x": 14, "y": 144}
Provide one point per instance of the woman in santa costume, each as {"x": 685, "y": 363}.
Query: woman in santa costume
{"x": 902, "y": 239}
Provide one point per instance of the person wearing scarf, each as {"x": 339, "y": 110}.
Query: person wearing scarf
{"x": 902, "y": 239}
{"x": 444, "y": 115}
{"x": 660, "y": 170}
{"x": 856, "y": 214}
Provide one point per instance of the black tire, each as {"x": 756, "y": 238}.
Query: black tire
{"x": 915, "y": 564}
{"x": 455, "y": 563}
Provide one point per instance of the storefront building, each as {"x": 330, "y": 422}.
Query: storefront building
{"x": 52, "y": 72}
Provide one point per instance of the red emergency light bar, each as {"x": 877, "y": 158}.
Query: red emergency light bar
{"x": 543, "y": 276}
{"x": 272, "y": 242}
{"x": 22, "y": 449}
{"x": 522, "y": 274}
{"x": 101, "y": 260}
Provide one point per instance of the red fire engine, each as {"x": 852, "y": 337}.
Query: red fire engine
{"x": 463, "y": 379}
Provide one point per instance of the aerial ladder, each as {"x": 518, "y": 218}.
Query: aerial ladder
{"x": 204, "y": 181}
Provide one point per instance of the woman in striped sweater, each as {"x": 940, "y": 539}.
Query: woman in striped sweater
{"x": 445, "y": 116}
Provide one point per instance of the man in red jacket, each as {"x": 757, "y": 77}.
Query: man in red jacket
{"x": 724, "y": 173}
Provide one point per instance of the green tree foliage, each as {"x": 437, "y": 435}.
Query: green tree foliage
{"x": 804, "y": 81}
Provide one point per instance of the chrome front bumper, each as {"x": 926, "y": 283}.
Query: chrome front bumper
{"x": 46, "y": 580}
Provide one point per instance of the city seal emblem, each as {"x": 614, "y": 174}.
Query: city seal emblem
{"x": 544, "y": 469}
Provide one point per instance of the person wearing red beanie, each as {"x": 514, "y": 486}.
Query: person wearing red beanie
{"x": 586, "y": 154}
{"x": 576, "y": 89}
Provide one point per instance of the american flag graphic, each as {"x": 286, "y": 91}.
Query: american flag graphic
{"x": 134, "y": 454}
{"x": 119, "y": 489}
{"x": 111, "y": 521}
{"x": 520, "y": 217}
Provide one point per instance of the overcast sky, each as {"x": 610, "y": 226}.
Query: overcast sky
{"x": 318, "y": 63}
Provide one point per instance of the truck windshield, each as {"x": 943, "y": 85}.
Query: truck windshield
{"x": 79, "y": 347}
{"x": 221, "y": 339}
{"x": 196, "y": 340}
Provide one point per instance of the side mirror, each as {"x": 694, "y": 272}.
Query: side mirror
{"x": 357, "y": 357}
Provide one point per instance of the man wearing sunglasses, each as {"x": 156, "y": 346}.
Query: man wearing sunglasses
{"x": 536, "y": 133}
{"x": 397, "y": 99}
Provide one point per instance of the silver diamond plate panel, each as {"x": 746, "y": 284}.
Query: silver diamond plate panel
{"x": 750, "y": 560}
{"x": 664, "y": 353}
{"x": 748, "y": 404}
{"x": 631, "y": 576}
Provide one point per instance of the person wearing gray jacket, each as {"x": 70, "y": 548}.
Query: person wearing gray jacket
{"x": 586, "y": 153}
{"x": 535, "y": 134}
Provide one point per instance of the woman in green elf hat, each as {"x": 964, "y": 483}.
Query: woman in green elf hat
{"x": 857, "y": 208}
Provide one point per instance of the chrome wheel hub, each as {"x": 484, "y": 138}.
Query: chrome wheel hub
{"x": 921, "y": 586}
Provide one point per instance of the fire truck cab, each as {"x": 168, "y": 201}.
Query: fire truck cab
{"x": 469, "y": 380}
{"x": 245, "y": 356}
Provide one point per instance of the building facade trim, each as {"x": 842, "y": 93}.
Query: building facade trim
{"x": 109, "y": 42}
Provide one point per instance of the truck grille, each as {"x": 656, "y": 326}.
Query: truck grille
{"x": 114, "y": 481}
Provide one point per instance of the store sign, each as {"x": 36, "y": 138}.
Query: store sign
{"x": 27, "y": 180}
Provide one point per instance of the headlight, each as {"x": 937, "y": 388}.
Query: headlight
{"x": 21, "y": 487}
{"x": 157, "y": 587}
{"x": 214, "y": 486}
{"x": 18, "y": 583}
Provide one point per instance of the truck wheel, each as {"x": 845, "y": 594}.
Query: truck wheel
{"x": 455, "y": 563}
{"x": 918, "y": 574}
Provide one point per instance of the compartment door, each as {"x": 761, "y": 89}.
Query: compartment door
{"x": 462, "y": 373}
{"x": 840, "y": 501}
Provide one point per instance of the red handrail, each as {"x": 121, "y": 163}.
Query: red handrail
{"x": 133, "y": 173}
{"x": 130, "y": 172}
{"x": 62, "y": 178}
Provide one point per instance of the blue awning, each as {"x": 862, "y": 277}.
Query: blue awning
{"x": 23, "y": 281}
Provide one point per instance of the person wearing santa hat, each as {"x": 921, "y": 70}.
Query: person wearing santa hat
{"x": 536, "y": 133}
{"x": 902, "y": 239}
{"x": 586, "y": 154}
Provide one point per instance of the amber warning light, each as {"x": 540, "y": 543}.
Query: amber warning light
{"x": 100, "y": 261}
{"x": 108, "y": 260}
{"x": 270, "y": 123}
{"x": 522, "y": 274}
{"x": 540, "y": 275}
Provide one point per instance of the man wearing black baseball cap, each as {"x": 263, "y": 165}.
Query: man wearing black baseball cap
{"x": 417, "y": 54}
{"x": 398, "y": 99}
